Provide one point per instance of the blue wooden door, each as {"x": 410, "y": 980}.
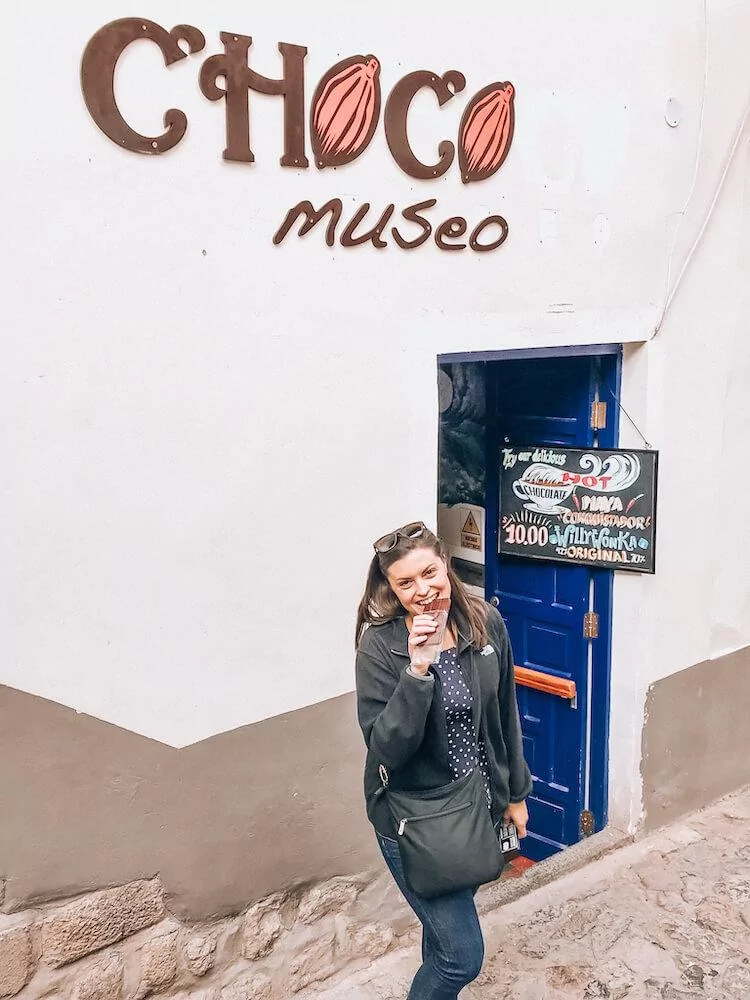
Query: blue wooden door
{"x": 545, "y": 402}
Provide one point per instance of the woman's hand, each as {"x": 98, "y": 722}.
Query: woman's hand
{"x": 422, "y": 627}
{"x": 517, "y": 813}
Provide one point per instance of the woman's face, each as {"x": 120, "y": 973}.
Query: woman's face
{"x": 418, "y": 578}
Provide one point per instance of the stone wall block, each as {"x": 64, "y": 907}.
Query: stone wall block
{"x": 369, "y": 940}
{"x": 262, "y": 928}
{"x": 159, "y": 957}
{"x": 104, "y": 980}
{"x": 251, "y": 986}
{"x": 314, "y": 963}
{"x": 200, "y": 953}
{"x": 129, "y": 948}
{"x": 100, "y": 919}
{"x": 16, "y": 960}
{"x": 334, "y": 896}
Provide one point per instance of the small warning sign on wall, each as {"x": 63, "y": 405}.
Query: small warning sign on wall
{"x": 471, "y": 535}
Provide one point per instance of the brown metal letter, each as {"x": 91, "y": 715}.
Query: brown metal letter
{"x": 345, "y": 110}
{"x": 480, "y": 228}
{"x": 411, "y": 214}
{"x": 240, "y": 80}
{"x": 397, "y": 112}
{"x": 98, "y": 79}
{"x": 348, "y": 239}
{"x": 312, "y": 216}
{"x": 451, "y": 229}
{"x": 486, "y": 131}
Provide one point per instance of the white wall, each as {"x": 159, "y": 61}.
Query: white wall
{"x": 204, "y": 432}
{"x": 687, "y": 389}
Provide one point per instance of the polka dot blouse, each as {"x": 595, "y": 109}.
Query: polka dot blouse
{"x": 464, "y": 752}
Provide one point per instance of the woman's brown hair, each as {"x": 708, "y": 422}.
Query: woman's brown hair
{"x": 379, "y": 604}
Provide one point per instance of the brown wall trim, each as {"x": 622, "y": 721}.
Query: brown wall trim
{"x": 224, "y": 822}
{"x": 696, "y": 737}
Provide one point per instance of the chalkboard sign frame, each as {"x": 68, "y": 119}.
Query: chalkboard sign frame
{"x": 547, "y": 503}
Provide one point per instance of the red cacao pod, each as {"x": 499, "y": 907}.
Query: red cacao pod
{"x": 486, "y": 132}
{"x": 345, "y": 111}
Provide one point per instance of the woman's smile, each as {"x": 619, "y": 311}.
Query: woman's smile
{"x": 418, "y": 578}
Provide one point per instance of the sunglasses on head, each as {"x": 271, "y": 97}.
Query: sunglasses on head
{"x": 413, "y": 530}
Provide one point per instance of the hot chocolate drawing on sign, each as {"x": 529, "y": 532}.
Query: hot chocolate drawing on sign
{"x": 544, "y": 488}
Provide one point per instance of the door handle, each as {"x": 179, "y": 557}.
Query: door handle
{"x": 549, "y": 683}
{"x": 495, "y": 602}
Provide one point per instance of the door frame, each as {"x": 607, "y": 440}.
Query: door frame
{"x": 611, "y": 356}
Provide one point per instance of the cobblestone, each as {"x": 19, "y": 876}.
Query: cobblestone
{"x": 666, "y": 918}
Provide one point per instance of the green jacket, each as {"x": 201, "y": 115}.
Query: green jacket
{"x": 403, "y": 720}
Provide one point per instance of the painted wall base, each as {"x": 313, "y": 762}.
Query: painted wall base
{"x": 224, "y": 822}
{"x": 696, "y": 737}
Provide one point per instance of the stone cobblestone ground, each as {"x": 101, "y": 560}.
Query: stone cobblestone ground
{"x": 666, "y": 918}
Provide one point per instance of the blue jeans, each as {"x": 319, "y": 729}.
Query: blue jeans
{"x": 452, "y": 944}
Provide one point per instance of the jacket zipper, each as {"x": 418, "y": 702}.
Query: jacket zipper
{"x": 445, "y": 812}
{"x": 444, "y": 727}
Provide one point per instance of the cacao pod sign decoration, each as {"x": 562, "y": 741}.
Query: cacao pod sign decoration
{"x": 486, "y": 132}
{"x": 345, "y": 111}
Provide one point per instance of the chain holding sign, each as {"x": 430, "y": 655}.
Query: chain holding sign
{"x": 595, "y": 507}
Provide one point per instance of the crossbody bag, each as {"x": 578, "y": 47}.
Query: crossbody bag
{"x": 445, "y": 835}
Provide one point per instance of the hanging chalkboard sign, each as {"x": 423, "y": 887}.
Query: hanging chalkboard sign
{"x": 595, "y": 507}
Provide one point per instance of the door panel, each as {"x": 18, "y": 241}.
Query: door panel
{"x": 544, "y": 402}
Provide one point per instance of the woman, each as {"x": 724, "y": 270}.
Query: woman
{"x": 418, "y": 721}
